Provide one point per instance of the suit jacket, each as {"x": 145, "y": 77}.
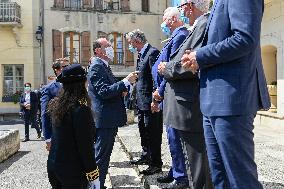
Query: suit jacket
{"x": 106, "y": 96}
{"x": 33, "y": 101}
{"x": 181, "y": 103}
{"x": 144, "y": 86}
{"x": 232, "y": 79}
{"x": 48, "y": 92}
{"x": 72, "y": 153}
{"x": 170, "y": 48}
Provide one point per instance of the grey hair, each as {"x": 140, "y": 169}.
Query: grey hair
{"x": 202, "y": 5}
{"x": 172, "y": 11}
{"x": 136, "y": 34}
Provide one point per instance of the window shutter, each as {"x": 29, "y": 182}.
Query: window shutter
{"x": 59, "y": 3}
{"x": 57, "y": 44}
{"x": 86, "y": 48}
{"x": 145, "y": 5}
{"x": 129, "y": 57}
{"x": 87, "y": 4}
{"x": 125, "y": 5}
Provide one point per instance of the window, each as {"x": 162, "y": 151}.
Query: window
{"x": 72, "y": 44}
{"x": 13, "y": 80}
{"x": 145, "y": 5}
{"x": 122, "y": 56}
{"x": 73, "y": 4}
{"x": 111, "y": 5}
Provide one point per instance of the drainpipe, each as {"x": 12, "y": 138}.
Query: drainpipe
{"x": 43, "y": 74}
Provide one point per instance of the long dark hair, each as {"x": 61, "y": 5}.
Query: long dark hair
{"x": 70, "y": 95}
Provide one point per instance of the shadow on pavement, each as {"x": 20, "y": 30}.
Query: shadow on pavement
{"x": 7, "y": 163}
{"x": 272, "y": 185}
{"x": 125, "y": 181}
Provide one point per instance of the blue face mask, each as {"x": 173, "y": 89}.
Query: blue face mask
{"x": 183, "y": 18}
{"x": 165, "y": 29}
{"x": 132, "y": 49}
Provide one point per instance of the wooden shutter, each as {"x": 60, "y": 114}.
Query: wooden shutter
{"x": 57, "y": 44}
{"x": 59, "y": 3}
{"x": 86, "y": 47}
{"x": 129, "y": 57}
{"x": 125, "y": 5}
{"x": 87, "y": 4}
{"x": 145, "y": 5}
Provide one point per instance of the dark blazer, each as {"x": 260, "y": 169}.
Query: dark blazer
{"x": 144, "y": 84}
{"x": 232, "y": 80}
{"x": 181, "y": 103}
{"x": 33, "y": 101}
{"x": 105, "y": 92}
{"x": 47, "y": 93}
{"x": 72, "y": 153}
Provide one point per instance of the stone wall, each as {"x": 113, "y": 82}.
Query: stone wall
{"x": 9, "y": 143}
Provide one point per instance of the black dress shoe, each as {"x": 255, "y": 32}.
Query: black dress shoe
{"x": 141, "y": 161}
{"x": 177, "y": 185}
{"x": 151, "y": 170}
{"x": 25, "y": 140}
{"x": 165, "y": 179}
{"x": 38, "y": 136}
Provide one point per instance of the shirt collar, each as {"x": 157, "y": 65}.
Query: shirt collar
{"x": 195, "y": 22}
{"x": 144, "y": 48}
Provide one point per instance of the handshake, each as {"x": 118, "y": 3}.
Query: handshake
{"x": 132, "y": 77}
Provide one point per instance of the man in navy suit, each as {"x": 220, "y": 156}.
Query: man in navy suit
{"x": 232, "y": 90}
{"x": 150, "y": 124}
{"x": 106, "y": 94}
{"x": 48, "y": 92}
{"x": 29, "y": 106}
{"x": 172, "y": 25}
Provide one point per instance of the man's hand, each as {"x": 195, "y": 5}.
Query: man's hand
{"x": 132, "y": 77}
{"x": 157, "y": 96}
{"x": 28, "y": 106}
{"x": 155, "y": 107}
{"x": 188, "y": 61}
{"x": 162, "y": 68}
{"x": 94, "y": 184}
{"x": 124, "y": 94}
{"x": 48, "y": 145}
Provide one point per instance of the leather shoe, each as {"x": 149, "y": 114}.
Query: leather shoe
{"x": 177, "y": 185}
{"x": 151, "y": 170}
{"x": 25, "y": 140}
{"x": 141, "y": 161}
{"x": 38, "y": 136}
{"x": 165, "y": 179}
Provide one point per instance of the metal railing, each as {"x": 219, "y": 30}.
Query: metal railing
{"x": 10, "y": 13}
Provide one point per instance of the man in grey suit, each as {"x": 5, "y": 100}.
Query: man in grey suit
{"x": 181, "y": 103}
{"x": 232, "y": 90}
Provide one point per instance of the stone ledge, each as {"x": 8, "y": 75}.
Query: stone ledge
{"x": 9, "y": 143}
{"x": 268, "y": 118}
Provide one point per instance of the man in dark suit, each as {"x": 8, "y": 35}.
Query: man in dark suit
{"x": 232, "y": 89}
{"x": 150, "y": 124}
{"x": 173, "y": 25}
{"x": 48, "y": 92}
{"x": 181, "y": 104}
{"x": 106, "y": 94}
{"x": 29, "y": 106}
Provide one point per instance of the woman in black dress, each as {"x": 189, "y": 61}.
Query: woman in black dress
{"x": 71, "y": 161}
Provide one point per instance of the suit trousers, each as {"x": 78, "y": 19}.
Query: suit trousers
{"x": 30, "y": 118}
{"x": 230, "y": 148}
{"x": 104, "y": 142}
{"x": 196, "y": 160}
{"x": 178, "y": 169}
{"x": 143, "y": 124}
{"x": 57, "y": 182}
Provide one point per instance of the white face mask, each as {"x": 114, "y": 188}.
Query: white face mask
{"x": 109, "y": 53}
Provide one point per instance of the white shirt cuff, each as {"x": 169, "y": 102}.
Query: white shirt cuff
{"x": 126, "y": 82}
{"x": 48, "y": 140}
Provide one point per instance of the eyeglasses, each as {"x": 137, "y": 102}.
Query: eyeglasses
{"x": 182, "y": 5}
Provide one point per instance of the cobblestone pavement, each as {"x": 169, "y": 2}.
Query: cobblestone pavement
{"x": 27, "y": 168}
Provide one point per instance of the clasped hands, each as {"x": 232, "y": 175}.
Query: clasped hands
{"x": 188, "y": 61}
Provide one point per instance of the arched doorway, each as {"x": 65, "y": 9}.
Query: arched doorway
{"x": 269, "y": 59}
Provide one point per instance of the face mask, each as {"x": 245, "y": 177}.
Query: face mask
{"x": 110, "y": 53}
{"x": 132, "y": 49}
{"x": 27, "y": 89}
{"x": 183, "y": 18}
{"x": 165, "y": 29}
